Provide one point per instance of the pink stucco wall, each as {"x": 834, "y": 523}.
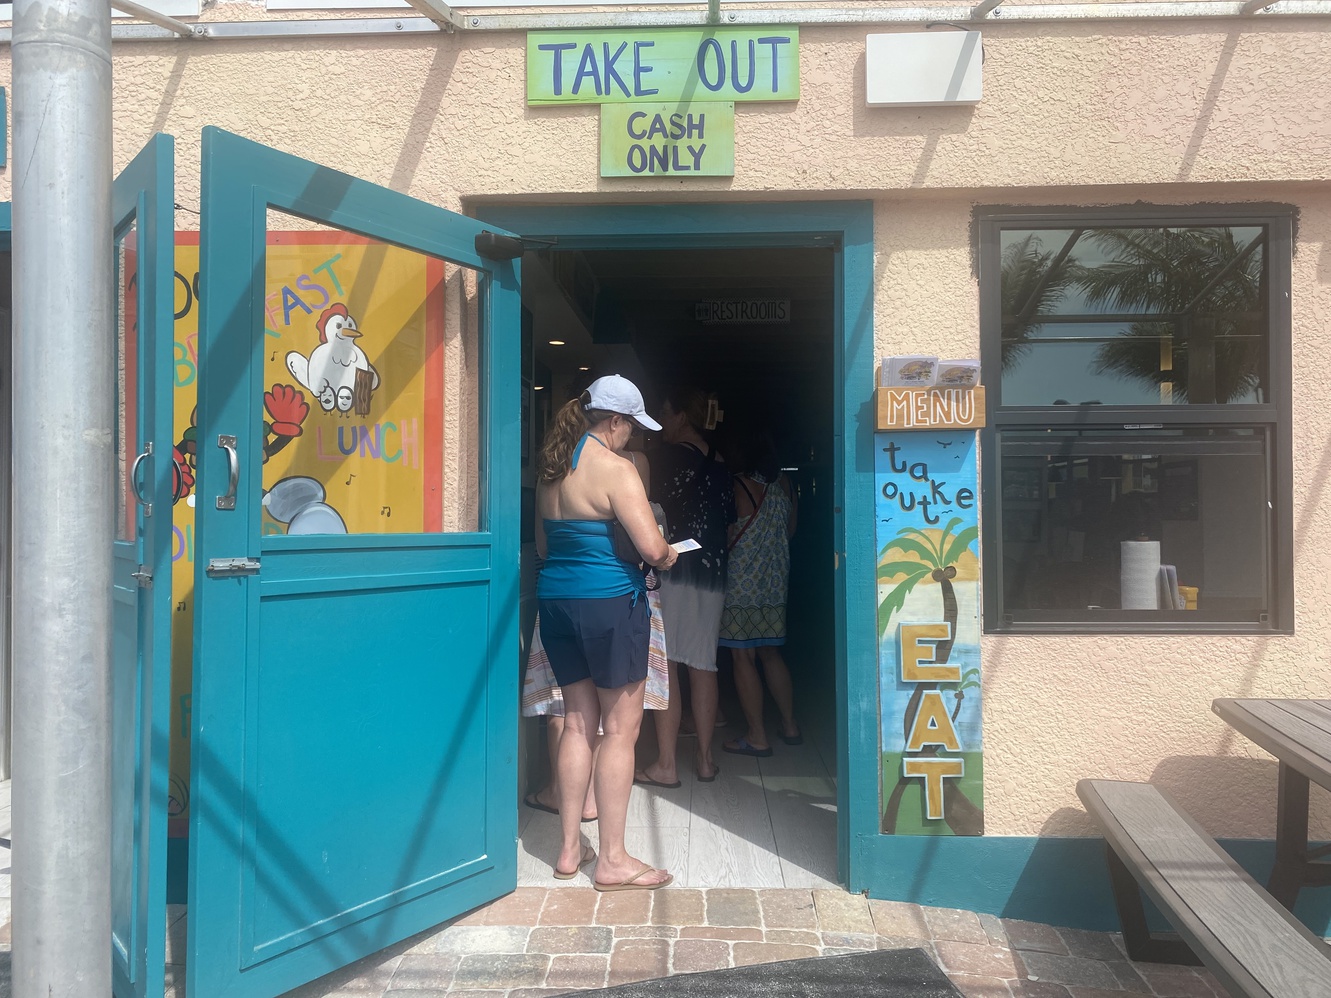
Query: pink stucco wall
{"x": 1073, "y": 113}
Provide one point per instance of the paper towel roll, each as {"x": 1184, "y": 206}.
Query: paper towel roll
{"x": 1139, "y": 575}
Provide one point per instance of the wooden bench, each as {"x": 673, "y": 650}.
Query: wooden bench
{"x": 1242, "y": 934}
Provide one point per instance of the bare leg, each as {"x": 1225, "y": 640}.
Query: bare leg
{"x": 664, "y": 769}
{"x": 703, "y": 699}
{"x": 778, "y": 681}
{"x": 750, "y": 689}
{"x": 554, "y": 726}
{"x": 621, "y": 715}
{"x": 582, "y": 717}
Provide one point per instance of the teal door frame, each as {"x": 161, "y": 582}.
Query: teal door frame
{"x": 847, "y": 228}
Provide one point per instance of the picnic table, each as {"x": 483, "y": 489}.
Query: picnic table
{"x": 1298, "y": 734}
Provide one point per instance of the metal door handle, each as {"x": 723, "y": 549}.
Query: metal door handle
{"x": 134, "y": 478}
{"x": 228, "y": 444}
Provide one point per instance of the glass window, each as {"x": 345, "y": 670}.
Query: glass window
{"x": 371, "y": 386}
{"x": 1139, "y": 430}
{"x": 1134, "y": 315}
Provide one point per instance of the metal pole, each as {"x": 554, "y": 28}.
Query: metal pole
{"x": 64, "y": 386}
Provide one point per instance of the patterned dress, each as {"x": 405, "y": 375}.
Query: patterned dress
{"x": 758, "y": 574}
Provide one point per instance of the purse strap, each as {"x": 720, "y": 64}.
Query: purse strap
{"x": 752, "y": 516}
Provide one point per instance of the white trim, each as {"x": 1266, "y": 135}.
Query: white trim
{"x": 171, "y": 8}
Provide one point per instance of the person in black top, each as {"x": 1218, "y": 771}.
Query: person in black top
{"x": 693, "y": 487}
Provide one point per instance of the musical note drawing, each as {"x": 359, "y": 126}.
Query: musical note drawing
{"x": 273, "y": 355}
{"x": 385, "y": 510}
{"x": 180, "y": 606}
{"x": 349, "y": 478}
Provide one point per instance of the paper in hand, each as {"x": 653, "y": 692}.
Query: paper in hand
{"x": 679, "y": 547}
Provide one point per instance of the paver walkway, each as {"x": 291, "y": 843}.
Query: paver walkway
{"x": 539, "y": 942}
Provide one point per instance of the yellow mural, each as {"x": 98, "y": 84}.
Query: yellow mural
{"x": 352, "y": 412}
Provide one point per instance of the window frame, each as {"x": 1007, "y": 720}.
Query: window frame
{"x": 1275, "y": 417}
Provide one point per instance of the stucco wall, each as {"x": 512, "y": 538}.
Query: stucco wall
{"x": 1073, "y": 113}
{"x": 1058, "y": 709}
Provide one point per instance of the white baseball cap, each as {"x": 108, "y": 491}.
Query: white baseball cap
{"x": 617, "y": 394}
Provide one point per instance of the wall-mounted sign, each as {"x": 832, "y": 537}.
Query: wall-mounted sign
{"x": 930, "y": 408}
{"x": 929, "y": 633}
{"x": 655, "y": 65}
{"x": 735, "y": 311}
{"x": 666, "y": 139}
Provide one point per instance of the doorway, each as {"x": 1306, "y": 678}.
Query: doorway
{"x": 748, "y": 302}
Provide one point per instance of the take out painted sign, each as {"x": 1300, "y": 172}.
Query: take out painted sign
{"x": 658, "y": 65}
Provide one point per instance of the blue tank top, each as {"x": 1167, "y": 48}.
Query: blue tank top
{"x": 580, "y": 560}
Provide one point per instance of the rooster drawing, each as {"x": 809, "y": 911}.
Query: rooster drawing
{"x": 337, "y": 372}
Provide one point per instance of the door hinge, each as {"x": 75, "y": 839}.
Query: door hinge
{"x": 223, "y": 568}
{"x": 144, "y": 576}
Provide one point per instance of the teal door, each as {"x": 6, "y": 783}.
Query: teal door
{"x": 143, "y": 202}
{"x": 355, "y": 649}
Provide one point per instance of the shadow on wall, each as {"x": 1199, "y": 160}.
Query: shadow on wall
{"x": 1066, "y": 879}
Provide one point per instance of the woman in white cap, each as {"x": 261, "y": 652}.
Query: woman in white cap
{"x": 594, "y": 618}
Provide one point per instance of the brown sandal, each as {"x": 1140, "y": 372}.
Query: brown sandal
{"x": 588, "y": 854}
{"x": 632, "y": 883}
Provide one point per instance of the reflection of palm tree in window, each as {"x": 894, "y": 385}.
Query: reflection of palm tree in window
{"x": 1193, "y": 301}
{"x": 1034, "y": 280}
{"x": 1205, "y": 289}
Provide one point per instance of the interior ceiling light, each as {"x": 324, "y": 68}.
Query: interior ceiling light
{"x": 539, "y": 388}
{"x": 584, "y": 367}
{"x": 556, "y": 343}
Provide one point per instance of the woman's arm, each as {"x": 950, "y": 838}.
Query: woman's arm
{"x": 628, "y": 499}
{"x": 644, "y": 467}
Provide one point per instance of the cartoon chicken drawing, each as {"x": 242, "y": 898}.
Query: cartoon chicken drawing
{"x": 337, "y": 373}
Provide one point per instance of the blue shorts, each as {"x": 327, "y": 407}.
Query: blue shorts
{"x": 604, "y": 640}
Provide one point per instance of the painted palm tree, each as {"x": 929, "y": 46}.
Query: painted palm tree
{"x": 937, "y": 563}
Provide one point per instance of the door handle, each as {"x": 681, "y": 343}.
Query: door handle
{"x": 134, "y": 478}
{"x": 228, "y": 444}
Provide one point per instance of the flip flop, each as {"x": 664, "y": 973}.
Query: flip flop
{"x": 742, "y": 746}
{"x": 647, "y": 781}
{"x": 588, "y": 854}
{"x": 534, "y": 802}
{"x": 793, "y": 739}
{"x": 632, "y": 883}
{"x": 716, "y": 771}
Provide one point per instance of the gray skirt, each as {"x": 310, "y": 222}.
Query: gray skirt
{"x": 692, "y": 618}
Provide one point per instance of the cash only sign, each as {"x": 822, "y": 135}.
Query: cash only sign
{"x": 667, "y": 95}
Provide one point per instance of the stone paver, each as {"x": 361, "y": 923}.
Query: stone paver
{"x": 898, "y": 918}
{"x": 680, "y": 907}
{"x": 577, "y": 970}
{"x": 732, "y": 907}
{"x": 955, "y": 924}
{"x": 539, "y": 943}
{"x": 842, "y": 912}
{"x": 690, "y": 956}
{"x": 1034, "y": 936}
{"x": 569, "y": 906}
{"x": 639, "y": 960}
{"x": 747, "y": 954}
{"x": 786, "y": 908}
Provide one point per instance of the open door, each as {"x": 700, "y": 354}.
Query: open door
{"x": 355, "y": 692}
{"x": 143, "y": 202}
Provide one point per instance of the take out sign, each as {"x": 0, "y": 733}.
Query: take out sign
{"x": 663, "y": 65}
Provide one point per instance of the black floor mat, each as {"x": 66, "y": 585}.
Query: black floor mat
{"x": 900, "y": 973}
